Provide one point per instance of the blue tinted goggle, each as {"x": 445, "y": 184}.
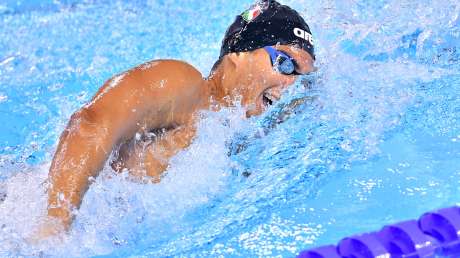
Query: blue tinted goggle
{"x": 281, "y": 61}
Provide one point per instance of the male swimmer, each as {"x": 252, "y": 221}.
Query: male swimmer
{"x": 147, "y": 114}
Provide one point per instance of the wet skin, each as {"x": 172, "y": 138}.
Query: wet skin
{"x": 160, "y": 96}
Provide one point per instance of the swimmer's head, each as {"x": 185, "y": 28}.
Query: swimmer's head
{"x": 262, "y": 52}
{"x": 267, "y": 23}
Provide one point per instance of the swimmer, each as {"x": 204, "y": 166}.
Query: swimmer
{"x": 144, "y": 116}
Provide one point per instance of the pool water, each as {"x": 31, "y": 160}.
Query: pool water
{"x": 372, "y": 138}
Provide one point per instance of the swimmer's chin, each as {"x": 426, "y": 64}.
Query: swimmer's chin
{"x": 254, "y": 112}
{"x": 258, "y": 109}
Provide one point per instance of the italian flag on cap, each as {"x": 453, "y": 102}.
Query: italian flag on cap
{"x": 252, "y": 13}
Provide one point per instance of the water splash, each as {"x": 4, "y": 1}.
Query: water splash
{"x": 374, "y": 125}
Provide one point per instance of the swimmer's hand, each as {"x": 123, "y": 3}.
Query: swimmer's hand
{"x": 48, "y": 229}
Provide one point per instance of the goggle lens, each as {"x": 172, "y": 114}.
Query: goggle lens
{"x": 285, "y": 65}
{"x": 281, "y": 62}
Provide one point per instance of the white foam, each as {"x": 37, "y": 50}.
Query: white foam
{"x": 115, "y": 209}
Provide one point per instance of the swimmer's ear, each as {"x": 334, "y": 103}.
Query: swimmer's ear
{"x": 230, "y": 61}
{"x": 233, "y": 58}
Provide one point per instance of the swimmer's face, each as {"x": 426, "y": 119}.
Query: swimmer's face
{"x": 259, "y": 84}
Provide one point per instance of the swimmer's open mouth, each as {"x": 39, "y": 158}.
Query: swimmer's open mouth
{"x": 268, "y": 99}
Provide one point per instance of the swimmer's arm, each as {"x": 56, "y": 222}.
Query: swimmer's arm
{"x": 160, "y": 151}
{"x": 114, "y": 114}
{"x": 141, "y": 99}
{"x": 169, "y": 145}
{"x": 83, "y": 148}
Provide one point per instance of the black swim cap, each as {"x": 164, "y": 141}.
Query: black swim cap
{"x": 267, "y": 23}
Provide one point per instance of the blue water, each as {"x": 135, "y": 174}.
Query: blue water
{"x": 372, "y": 138}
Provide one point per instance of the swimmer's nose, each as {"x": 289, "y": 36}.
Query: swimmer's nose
{"x": 287, "y": 81}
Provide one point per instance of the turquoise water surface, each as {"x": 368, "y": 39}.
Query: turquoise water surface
{"x": 372, "y": 138}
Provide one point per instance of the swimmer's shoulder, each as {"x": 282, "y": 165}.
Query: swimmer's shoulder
{"x": 168, "y": 69}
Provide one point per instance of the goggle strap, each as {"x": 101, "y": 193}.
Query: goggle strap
{"x": 273, "y": 54}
